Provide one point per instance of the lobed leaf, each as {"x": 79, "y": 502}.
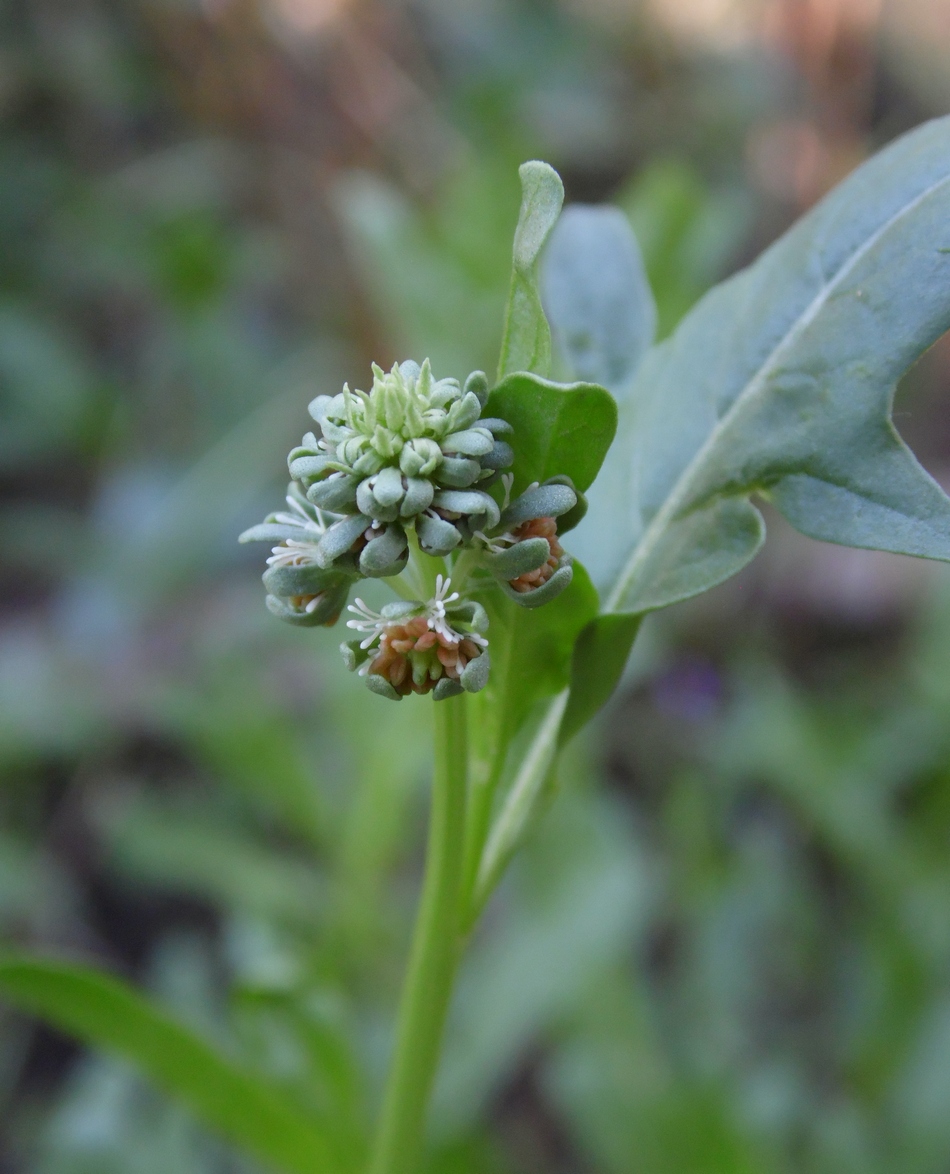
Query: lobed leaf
{"x": 107, "y": 1013}
{"x": 781, "y": 382}
{"x": 526, "y": 337}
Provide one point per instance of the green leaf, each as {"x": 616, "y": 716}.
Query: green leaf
{"x": 531, "y": 660}
{"x": 781, "y": 382}
{"x": 526, "y": 337}
{"x": 107, "y": 1013}
{"x": 598, "y": 647}
{"x": 600, "y": 655}
{"x": 532, "y": 650}
{"x": 559, "y": 428}
{"x": 523, "y": 802}
{"x": 597, "y": 297}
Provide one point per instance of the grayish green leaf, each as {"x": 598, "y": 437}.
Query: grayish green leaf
{"x": 781, "y": 382}
{"x": 597, "y": 297}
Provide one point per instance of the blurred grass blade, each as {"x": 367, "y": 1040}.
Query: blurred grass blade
{"x": 107, "y": 1013}
{"x": 526, "y": 340}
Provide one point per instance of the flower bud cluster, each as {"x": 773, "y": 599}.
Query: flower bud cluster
{"x": 410, "y": 464}
{"x": 413, "y": 450}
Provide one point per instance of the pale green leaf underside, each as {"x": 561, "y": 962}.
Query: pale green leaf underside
{"x": 597, "y": 295}
{"x": 107, "y": 1013}
{"x": 781, "y": 382}
{"x": 526, "y": 339}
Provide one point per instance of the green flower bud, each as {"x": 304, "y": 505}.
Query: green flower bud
{"x": 402, "y": 442}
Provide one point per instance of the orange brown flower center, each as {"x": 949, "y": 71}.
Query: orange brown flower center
{"x": 413, "y": 658}
{"x": 538, "y": 528}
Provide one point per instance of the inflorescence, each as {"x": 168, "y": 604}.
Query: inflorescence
{"x": 396, "y": 477}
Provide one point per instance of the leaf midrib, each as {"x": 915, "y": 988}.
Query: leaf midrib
{"x": 681, "y": 490}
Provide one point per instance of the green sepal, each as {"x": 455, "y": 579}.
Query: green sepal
{"x": 419, "y": 494}
{"x": 368, "y": 464}
{"x": 575, "y": 516}
{"x": 496, "y": 426}
{"x": 518, "y": 559}
{"x": 318, "y": 407}
{"x": 388, "y": 488}
{"x": 446, "y": 687}
{"x": 477, "y": 384}
{"x": 368, "y": 503}
{"x": 549, "y": 500}
{"x": 386, "y": 555}
{"x": 464, "y": 412}
{"x": 336, "y": 493}
{"x": 470, "y": 613}
{"x": 396, "y": 609}
{"x": 353, "y": 655}
{"x": 470, "y": 502}
{"x": 339, "y": 538}
{"x": 309, "y": 466}
{"x": 559, "y": 581}
{"x": 459, "y": 472}
{"x": 437, "y": 537}
{"x": 501, "y": 456}
{"x": 377, "y": 684}
{"x": 471, "y": 442}
{"x": 274, "y": 532}
{"x": 474, "y": 676}
{"x": 326, "y": 613}
{"x": 308, "y": 579}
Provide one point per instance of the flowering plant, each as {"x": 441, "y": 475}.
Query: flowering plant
{"x": 778, "y": 387}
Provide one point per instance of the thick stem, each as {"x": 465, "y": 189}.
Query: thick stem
{"x": 433, "y": 957}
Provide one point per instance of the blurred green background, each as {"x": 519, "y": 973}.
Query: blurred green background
{"x": 727, "y": 951}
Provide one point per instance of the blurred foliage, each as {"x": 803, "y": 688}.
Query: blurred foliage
{"x": 729, "y": 958}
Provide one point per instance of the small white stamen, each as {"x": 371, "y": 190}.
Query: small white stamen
{"x": 298, "y": 516}
{"x": 367, "y": 621}
{"x": 435, "y": 611}
{"x": 293, "y": 553}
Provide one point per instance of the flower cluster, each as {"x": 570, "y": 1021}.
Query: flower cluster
{"x": 433, "y": 647}
{"x": 406, "y": 470}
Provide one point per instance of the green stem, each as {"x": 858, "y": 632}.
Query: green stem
{"x": 481, "y": 795}
{"x": 433, "y": 957}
